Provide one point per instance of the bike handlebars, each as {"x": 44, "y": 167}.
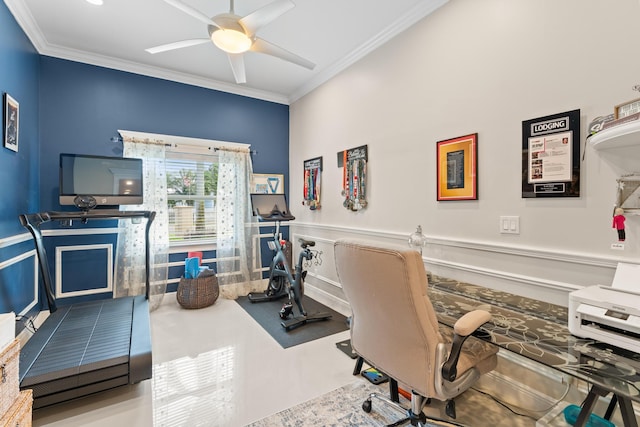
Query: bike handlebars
{"x": 276, "y": 215}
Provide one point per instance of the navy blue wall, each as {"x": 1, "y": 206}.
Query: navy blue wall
{"x": 19, "y": 172}
{"x": 82, "y": 107}
{"x": 72, "y": 107}
{"x": 19, "y": 76}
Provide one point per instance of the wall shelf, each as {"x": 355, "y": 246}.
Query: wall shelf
{"x": 624, "y": 135}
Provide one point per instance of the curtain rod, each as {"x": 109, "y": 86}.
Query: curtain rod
{"x": 120, "y": 139}
{"x": 252, "y": 152}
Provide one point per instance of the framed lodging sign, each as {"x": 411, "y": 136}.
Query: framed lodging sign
{"x": 551, "y": 156}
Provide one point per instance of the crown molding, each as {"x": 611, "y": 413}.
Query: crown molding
{"x": 24, "y": 18}
{"x": 28, "y": 24}
{"x": 418, "y": 12}
{"x": 160, "y": 73}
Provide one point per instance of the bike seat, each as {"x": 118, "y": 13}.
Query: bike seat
{"x": 306, "y": 243}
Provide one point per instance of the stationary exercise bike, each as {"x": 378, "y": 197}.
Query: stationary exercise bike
{"x": 282, "y": 281}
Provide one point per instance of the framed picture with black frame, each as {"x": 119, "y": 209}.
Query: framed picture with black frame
{"x": 551, "y": 156}
{"x": 457, "y": 168}
{"x": 11, "y": 122}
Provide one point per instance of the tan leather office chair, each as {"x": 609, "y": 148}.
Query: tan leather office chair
{"x": 395, "y": 329}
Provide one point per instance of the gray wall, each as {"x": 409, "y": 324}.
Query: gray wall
{"x": 480, "y": 66}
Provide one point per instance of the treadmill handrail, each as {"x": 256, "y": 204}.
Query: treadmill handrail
{"x": 98, "y": 214}
{"x": 33, "y": 221}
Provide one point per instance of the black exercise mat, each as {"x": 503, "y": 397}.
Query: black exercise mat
{"x": 267, "y": 315}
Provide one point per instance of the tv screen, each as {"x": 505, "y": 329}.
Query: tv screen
{"x": 110, "y": 180}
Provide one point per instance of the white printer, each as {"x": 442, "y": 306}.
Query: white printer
{"x": 610, "y": 314}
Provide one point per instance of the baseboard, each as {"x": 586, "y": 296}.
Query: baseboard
{"x": 540, "y": 391}
{"x": 327, "y": 299}
{"x": 515, "y": 394}
{"x": 524, "y": 385}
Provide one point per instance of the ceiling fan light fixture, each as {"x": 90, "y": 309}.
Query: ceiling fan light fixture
{"x": 231, "y": 41}
{"x": 95, "y": 2}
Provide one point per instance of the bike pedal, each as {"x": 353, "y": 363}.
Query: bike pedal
{"x": 286, "y": 311}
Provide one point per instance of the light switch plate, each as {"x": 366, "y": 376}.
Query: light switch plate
{"x": 509, "y": 225}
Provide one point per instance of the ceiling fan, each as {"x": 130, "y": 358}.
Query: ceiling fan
{"x": 236, "y": 34}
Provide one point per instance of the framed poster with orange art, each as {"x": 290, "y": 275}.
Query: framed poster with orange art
{"x": 457, "y": 168}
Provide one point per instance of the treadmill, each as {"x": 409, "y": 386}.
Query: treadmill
{"x": 91, "y": 346}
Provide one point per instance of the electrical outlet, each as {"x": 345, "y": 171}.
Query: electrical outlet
{"x": 509, "y": 225}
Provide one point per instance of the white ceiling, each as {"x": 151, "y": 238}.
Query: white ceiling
{"x": 331, "y": 33}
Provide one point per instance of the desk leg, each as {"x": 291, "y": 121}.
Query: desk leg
{"x": 611, "y": 407}
{"x": 589, "y": 404}
{"x": 626, "y": 409}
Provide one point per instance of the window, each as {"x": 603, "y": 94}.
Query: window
{"x": 192, "y": 179}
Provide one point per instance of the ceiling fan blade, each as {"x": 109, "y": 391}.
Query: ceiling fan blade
{"x": 237, "y": 66}
{"x": 191, "y": 11}
{"x": 261, "y": 17}
{"x": 263, "y": 46}
{"x": 177, "y": 45}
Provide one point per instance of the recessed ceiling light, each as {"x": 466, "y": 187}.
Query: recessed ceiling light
{"x": 96, "y": 2}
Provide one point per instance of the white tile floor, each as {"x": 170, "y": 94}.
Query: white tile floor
{"x": 212, "y": 367}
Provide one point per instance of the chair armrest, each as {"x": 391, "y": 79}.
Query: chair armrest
{"x": 463, "y": 327}
{"x": 471, "y": 321}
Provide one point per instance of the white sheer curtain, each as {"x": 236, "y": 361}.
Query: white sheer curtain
{"x": 238, "y": 235}
{"x": 130, "y": 253}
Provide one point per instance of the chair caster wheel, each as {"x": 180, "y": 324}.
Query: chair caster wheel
{"x": 366, "y": 406}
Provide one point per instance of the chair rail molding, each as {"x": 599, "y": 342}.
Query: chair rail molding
{"x": 541, "y": 273}
{"x": 30, "y": 257}
{"x": 528, "y": 251}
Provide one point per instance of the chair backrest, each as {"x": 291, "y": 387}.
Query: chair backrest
{"x": 393, "y": 325}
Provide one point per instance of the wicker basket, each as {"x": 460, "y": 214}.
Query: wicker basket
{"x": 199, "y": 292}
{"x": 19, "y": 414}
{"x": 9, "y": 384}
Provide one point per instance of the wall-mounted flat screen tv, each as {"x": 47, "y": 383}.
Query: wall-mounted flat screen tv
{"x": 110, "y": 180}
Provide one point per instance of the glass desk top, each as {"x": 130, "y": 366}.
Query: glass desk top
{"x": 539, "y": 331}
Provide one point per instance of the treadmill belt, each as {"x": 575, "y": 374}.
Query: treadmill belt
{"x": 84, "y": 338}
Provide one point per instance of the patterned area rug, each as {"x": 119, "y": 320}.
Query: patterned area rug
{"x": 340, "y": 408}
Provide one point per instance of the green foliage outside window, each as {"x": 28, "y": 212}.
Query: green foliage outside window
{"x": 191, "y": 184}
